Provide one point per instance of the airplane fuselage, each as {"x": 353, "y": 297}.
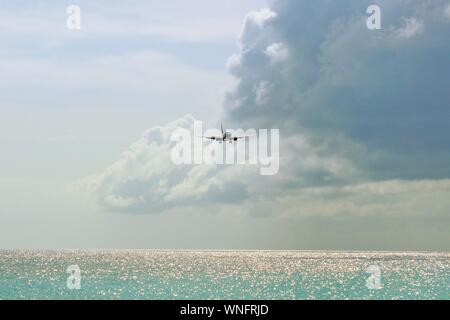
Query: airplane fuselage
{"x": 226, "y": 137}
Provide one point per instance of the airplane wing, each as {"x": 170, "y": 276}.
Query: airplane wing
{"x": 242, "y": 137}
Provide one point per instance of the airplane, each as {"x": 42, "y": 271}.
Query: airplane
{"x": 226, "y": 136}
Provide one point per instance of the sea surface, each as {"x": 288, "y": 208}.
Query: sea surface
{"x": 154, "y": 274}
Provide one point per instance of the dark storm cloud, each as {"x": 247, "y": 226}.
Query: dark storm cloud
{"x": 313, "y": 68}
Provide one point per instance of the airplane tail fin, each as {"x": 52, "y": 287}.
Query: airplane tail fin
{"x": 221, "y": 127}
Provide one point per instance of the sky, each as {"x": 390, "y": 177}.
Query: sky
{"x": 87, "y": 116}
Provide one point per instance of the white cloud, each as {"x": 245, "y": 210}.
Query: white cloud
{"x": 447, "y": 12}
{"x": 144, "y": 179}
{"x": 412, "y": 27}
{"x": 254, "y": 22}
{"x": 277, "y": 52}
{"x": 262, "y": 92}
{"x": 260, "y": 17}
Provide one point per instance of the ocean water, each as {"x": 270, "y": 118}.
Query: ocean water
{"x": 150, "y": 274}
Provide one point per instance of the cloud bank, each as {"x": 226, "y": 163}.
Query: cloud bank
{"x": 363, "y": 117}
{"x": 145, "y": 180}
{"x": 314, "y": 68}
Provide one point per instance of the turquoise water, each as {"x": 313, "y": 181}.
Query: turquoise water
{"x": 148, "y": 274}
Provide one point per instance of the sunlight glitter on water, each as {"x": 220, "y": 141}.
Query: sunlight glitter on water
{"x": 154, "y": 274}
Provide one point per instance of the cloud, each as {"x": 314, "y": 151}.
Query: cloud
{"x": 381, "y": 92}
{"x": 412, "y": 28}
{"x": 277, "y": 52}
{"x": 139, "y": 70}
{"x": 145, "y": 180}
{"x": 362, "y": 116}
{"x": 447, "y": 12}
{"x": 424, "y": 199}
{"x": 262, "y": 92}
{"x": 117, "y": 81}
